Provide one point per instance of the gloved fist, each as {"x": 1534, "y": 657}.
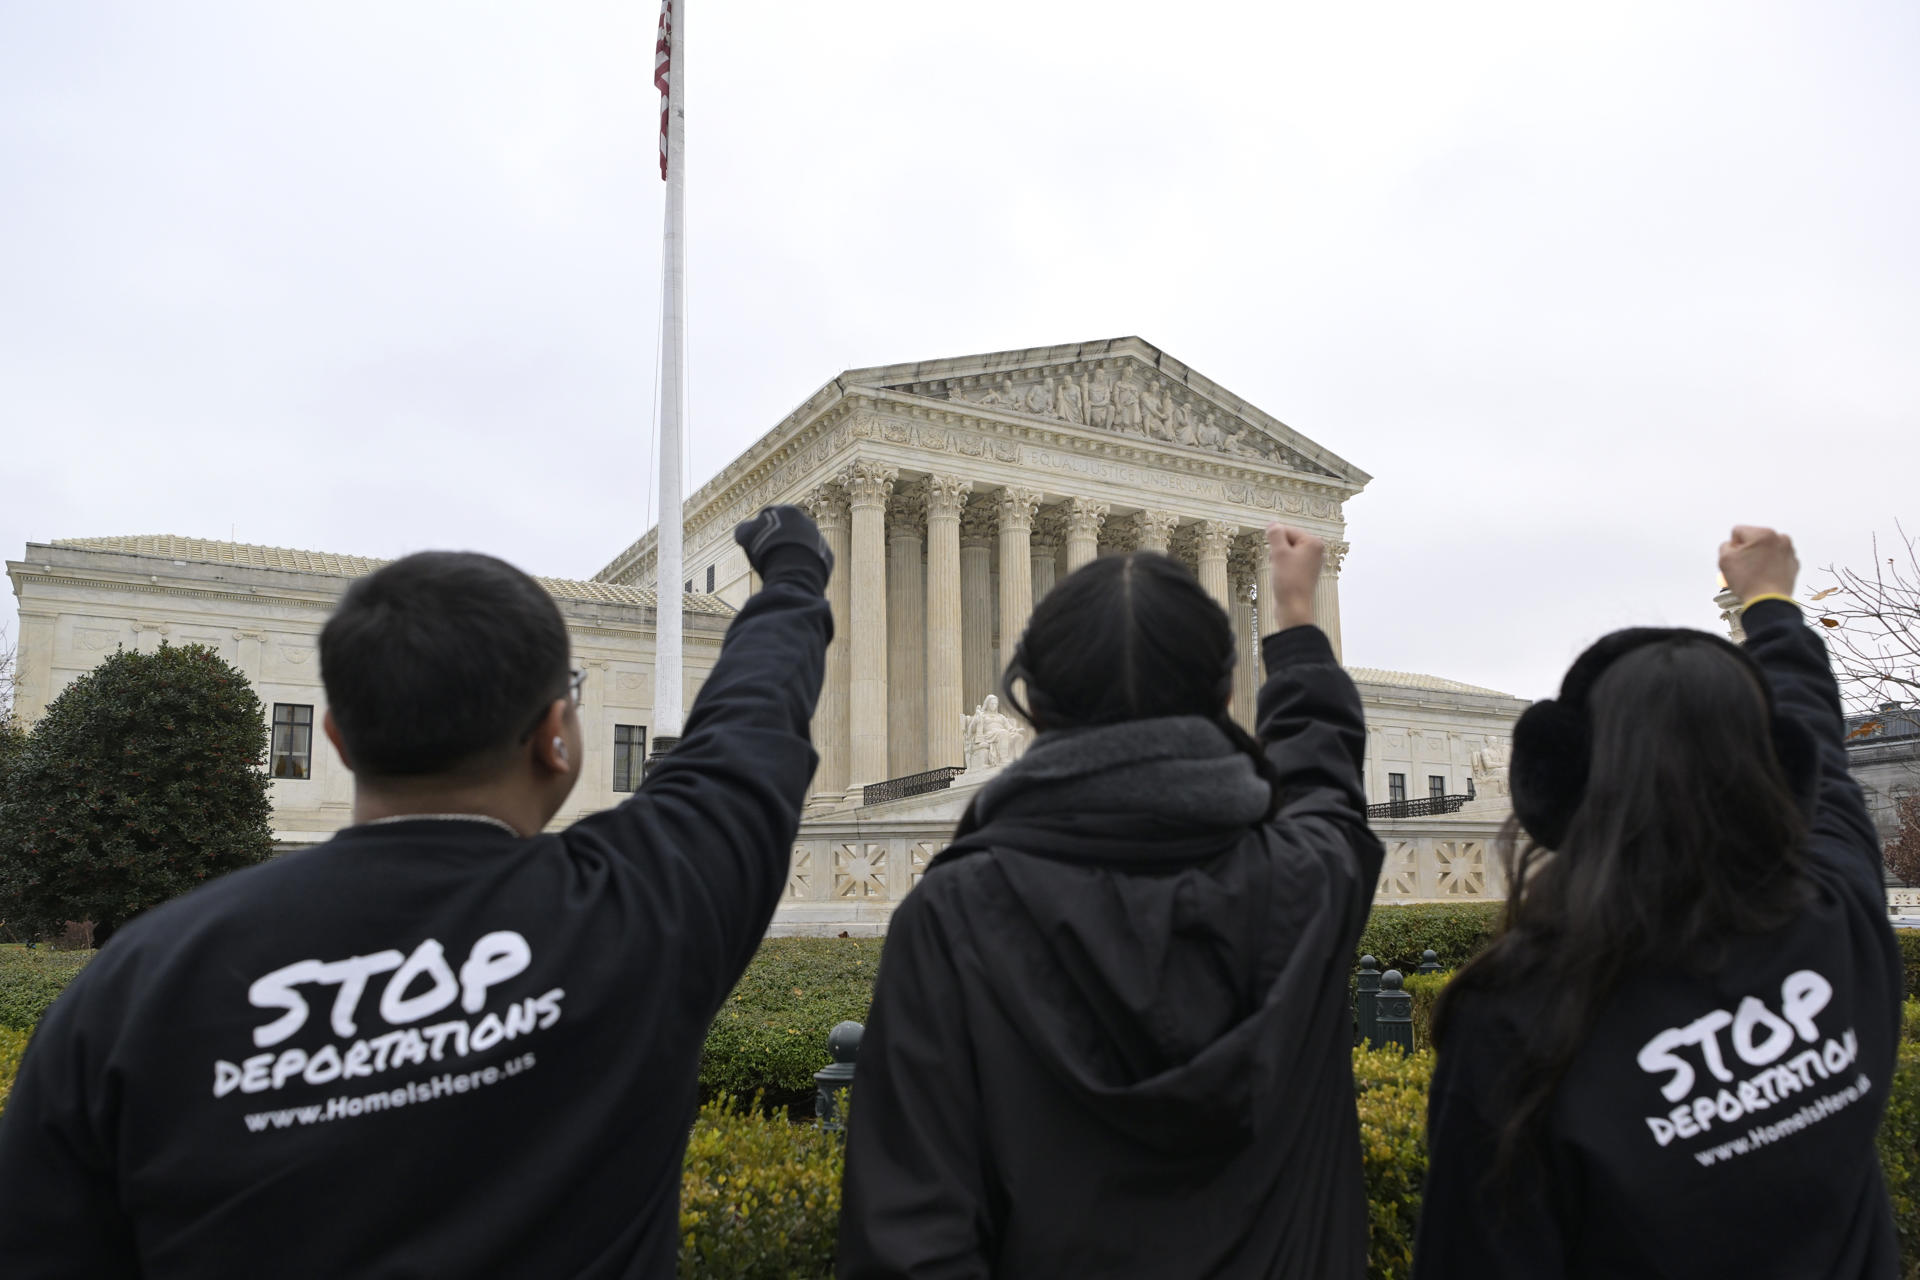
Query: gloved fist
{"x": 783, "y": 539}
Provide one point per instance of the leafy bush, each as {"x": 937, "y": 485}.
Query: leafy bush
{"x": 1391, "y": 1090}
{"x": 771, "y": 1036}
{"x": 760, "y": 1199}
{"x": 1425, "y": 989}
{"x": 12, "y": 1045}
{"x": 1900, "y": 1147}
{"x": 141, "y": 781}
{"x": 1910, "y": 953}
{"x": 1396, "y": 935}
{"x": 29, "y": 981}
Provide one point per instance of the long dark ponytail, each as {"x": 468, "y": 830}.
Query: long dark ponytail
{"x": 1687, "y": 835}
{"x": 1128, "y": 637}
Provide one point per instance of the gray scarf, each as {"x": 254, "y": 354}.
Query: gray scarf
{"x": 1175, "y": 770}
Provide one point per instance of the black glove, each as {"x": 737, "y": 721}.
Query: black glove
{"x": 784, "y": 542}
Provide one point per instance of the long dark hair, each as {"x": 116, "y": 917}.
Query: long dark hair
{"x": 1687, "y": 835}
{"x": 1128, "y": 637}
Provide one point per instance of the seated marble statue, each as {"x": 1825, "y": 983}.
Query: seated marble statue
{"x": 992, "y": 737}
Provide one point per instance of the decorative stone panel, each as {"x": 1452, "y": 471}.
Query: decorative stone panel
{"x": 860, "y": 870}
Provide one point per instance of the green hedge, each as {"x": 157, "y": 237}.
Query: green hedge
{"x": 12, "y": 1045}
{"x": 1910, "y": 952}
{"x": 760, "y": 1199}
{"x": 30, "y": 979}
{"x": 770, "y": 1037}
{"x": 1396, "y": 936}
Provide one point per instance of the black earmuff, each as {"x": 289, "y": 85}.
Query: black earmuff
{"x": 1553, "y": 739}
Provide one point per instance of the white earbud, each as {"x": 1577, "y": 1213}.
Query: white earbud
{"x": 560, "y": 747}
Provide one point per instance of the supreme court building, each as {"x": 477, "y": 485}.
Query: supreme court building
{"x": 954, "y": 493}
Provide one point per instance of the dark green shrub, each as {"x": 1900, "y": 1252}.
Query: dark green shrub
{"x": 140, "y": 782}
{"x": 760, "y": 1198}
{"x": 29, "y": 981}
{"x": 771, "y": 1035}
{"x": 1396, "y": 935}
{"x": 12, "y": 1045}
{"x": 1909, "y": 940}
{"x": 1900, "y": 1148}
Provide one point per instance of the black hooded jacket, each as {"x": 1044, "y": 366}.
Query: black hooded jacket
{"x": 1713, "y": 1124}
{"x": 1111, "y": 1035}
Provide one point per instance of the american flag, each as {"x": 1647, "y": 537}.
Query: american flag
{"x": 662, "y": 68}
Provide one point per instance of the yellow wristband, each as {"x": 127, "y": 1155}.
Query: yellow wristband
{"x": 1771, "y": 595}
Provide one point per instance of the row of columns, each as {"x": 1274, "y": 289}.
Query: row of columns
{"x": 915, "y": 649}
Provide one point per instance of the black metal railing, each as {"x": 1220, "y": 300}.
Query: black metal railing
{"x": 1425, "y": 807}
{"x": 914, "y": 784}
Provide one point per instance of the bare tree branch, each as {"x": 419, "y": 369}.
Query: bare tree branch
{"x": 1872, "y": 619}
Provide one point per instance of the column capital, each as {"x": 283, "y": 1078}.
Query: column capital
{"x": 1084, "y": 517}
{"x": 907, "y": 512}
{"x": 868, "y": 483}
{"x": 1049, "y": 528}
{"x": 1336, "y": 554}
{"x": 1154, "y": 529}
{"x": 978, "y": 522}
{"x": 1244, "y": 558}
{"x": 1215, "y": 537}
{"x": 828, "y": 507}
{"x": 1017, "y": 508}
{"x": 947, "y": 495}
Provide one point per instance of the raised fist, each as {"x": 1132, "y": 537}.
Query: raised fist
{"x": 783, "y": 538}
{"x": 1294, "y": 558}
{"x": 1758, "y": 562}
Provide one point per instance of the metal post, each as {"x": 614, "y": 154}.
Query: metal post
{"x": 833, "y": 1080}
{"x": 1393, "y": 1013}
{"x": 1429, "y": 961}
{"x": 1366, "y": 987}
{"x": 667, "y": 698}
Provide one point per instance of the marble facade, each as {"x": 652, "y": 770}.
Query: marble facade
{"x": 955, "y": 493}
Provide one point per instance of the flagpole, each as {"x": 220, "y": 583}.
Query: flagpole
{"x": 667, "y": 694}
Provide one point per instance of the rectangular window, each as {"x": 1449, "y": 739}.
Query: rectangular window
{"x": 1436, "y": 786}
{"x": 1397, "y": 788}
{"x": 709, "y": 579}
{"x": 292, "y": 741}
{"x": 629, "y": 755}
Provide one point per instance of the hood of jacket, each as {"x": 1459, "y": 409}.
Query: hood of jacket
{"x": 1136, "y": 928}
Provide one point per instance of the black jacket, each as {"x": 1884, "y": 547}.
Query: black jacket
{"x": 1110, "y": 1035}
{"x": 1713, "y": 1125}
{"x": 493, "y": 1075}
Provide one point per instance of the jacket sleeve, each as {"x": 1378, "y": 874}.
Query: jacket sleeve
{"x": 1795, "y": 659}
{"x": 1315, "y": 735}
{"x": 60, "y": 1214}
{"x": 714, "y": 822}
{"x": 1465, "y": 1228}
{"x": 915, "y": 1199}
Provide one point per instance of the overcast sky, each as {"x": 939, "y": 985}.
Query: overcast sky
{"x": 1579, "y": 285}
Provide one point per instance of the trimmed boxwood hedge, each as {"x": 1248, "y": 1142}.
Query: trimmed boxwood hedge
{"x": 30, "y": 979}
{"x": 770, "y": 1036}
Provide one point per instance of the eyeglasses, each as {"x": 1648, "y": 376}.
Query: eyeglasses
{"x": 576, "y": 685}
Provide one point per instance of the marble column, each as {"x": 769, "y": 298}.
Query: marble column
{"x": 1246, "y": 683}
{"x": 1155, "y": 530}
{"x": 1044, "y": 546}
{"x": 1084, "y": 519}
{"x": 906, "y": 636}
{"x": 828, "y": 506}
{"x": 1326, "y": 595}
{"x": 946, "y": 499}
{"x": 976, "y": 601}
{"x": 1017, "y": 509}
{"x": 1213, "y": 541}
{"x": 868, "y": 485}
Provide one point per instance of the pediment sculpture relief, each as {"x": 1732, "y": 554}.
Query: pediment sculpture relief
{"x": 1127, "y": 401}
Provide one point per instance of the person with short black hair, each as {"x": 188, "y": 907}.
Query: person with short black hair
{"x": 446, "y": 1042}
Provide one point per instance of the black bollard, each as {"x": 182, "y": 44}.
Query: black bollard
{"x": 1393, "y": 1013}
{"x": 1429, "y": 961}
{"x": 1366, "y": 987}
{"x": 833, "y": 1080}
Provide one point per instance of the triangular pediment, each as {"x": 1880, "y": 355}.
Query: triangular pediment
{"x": 1123, "y": 385}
